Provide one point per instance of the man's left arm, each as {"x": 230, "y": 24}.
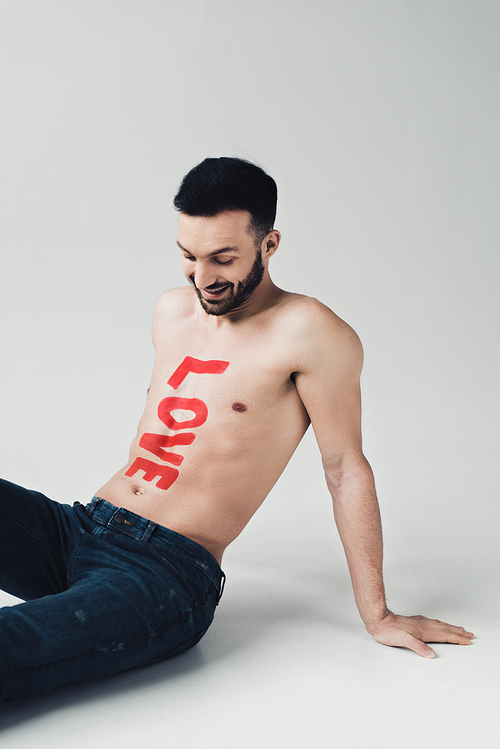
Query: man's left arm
{"x": 328, "y": 384}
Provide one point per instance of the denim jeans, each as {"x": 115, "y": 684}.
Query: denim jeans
{"x": 104, "y": 590}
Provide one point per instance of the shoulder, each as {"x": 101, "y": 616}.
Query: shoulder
{"x": 172, "y": 305}
{"x": 320, "y": 336}
{"x": 175, "y": 301}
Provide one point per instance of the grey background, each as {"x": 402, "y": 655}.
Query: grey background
{"x": 379, "y": 120}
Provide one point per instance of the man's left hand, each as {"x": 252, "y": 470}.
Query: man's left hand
{"x": 414, "y": 632}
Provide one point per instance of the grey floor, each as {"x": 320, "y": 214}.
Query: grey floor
{"x": 288, "y": 664}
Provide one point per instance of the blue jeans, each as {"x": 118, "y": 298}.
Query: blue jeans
{"x": 104, "y": 590}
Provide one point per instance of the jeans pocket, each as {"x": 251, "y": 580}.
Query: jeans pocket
{"x": 162, "y": 559}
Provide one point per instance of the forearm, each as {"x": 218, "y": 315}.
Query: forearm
{"x": 357, "y": 517}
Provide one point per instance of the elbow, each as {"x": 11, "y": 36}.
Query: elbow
{"x": 347, "y": 470}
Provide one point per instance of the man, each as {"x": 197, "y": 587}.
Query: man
{"x": 242, "y": 368}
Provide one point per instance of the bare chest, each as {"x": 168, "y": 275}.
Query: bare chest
{"x": 248, "y": 376}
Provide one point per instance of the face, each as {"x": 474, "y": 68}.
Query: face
{"x": 233, "y": 299}
{"x": 220, "y": 259}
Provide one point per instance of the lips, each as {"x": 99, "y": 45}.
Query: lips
{"x": 217, "y": 291}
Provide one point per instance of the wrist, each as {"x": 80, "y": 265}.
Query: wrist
{"x": 375, "y": 620}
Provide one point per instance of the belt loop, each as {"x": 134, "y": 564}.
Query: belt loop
{"x": 221, "y": 588}
{"x": 89, "y": 509}
{"x": 149, "y": 530}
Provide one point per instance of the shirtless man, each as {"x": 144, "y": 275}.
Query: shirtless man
{"x": 242, "y": 368}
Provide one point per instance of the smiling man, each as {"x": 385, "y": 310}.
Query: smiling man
{"x": 242, "y": 368}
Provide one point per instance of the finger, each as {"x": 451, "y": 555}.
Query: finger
{"x": 463, "y": 633}
{"x": 434, "y": 631}
{"x": 403, "y": 639}
{"x": 438, "y": 623}
{"x": 457, "y": 630}
{"x": 418, "y": 647}
{"x": 452, "y": 637}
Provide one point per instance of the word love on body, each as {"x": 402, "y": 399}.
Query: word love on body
{"x": 155, "y": 443}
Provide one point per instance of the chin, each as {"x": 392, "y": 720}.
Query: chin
{"x": 217, "y": 308}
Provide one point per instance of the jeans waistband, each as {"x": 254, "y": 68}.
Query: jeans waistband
{"x": 123, "y": 521}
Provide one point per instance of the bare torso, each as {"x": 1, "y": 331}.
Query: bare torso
{"x": 222, "y": 419}
{"x": 241, "y": 369}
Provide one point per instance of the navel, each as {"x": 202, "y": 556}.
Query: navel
{"x": 239, "y": 407}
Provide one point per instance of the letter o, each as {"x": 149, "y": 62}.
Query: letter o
{"x": 167, "y": 405}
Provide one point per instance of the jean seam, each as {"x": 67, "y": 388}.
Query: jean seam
{"x": 180, "y": 649}
{"x": 71, "y": 562}
{"x": 60, "y": 557}
{"x": 180, "y": 577}
{"x": 186, "y": 559}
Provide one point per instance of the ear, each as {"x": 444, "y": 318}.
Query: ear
{"x": 270, "y": 244}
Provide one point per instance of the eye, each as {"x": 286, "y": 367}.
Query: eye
{"x": 188, "y": 257}
{"x": 224, "y": 262}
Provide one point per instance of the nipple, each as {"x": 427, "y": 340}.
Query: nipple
{"x": 239, "y": 407}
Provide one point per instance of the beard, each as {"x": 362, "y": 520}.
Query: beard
{"x": 233, "y": 299}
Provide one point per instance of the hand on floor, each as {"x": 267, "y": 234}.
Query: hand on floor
{"x": 414, "y": 632}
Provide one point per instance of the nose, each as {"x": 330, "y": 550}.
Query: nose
{"x": 203, "y": 275}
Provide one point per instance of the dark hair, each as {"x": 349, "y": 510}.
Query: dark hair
{"x": 226, "y": 184}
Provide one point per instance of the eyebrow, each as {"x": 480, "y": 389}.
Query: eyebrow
{"x": 215, "y": 252}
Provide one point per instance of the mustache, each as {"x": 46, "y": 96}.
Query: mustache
{"x": 213, "y": 287}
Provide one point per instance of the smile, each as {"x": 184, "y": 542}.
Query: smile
{"x": 215, "y": 293}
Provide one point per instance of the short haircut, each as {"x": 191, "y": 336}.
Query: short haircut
{"x": 228, "y": 184}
